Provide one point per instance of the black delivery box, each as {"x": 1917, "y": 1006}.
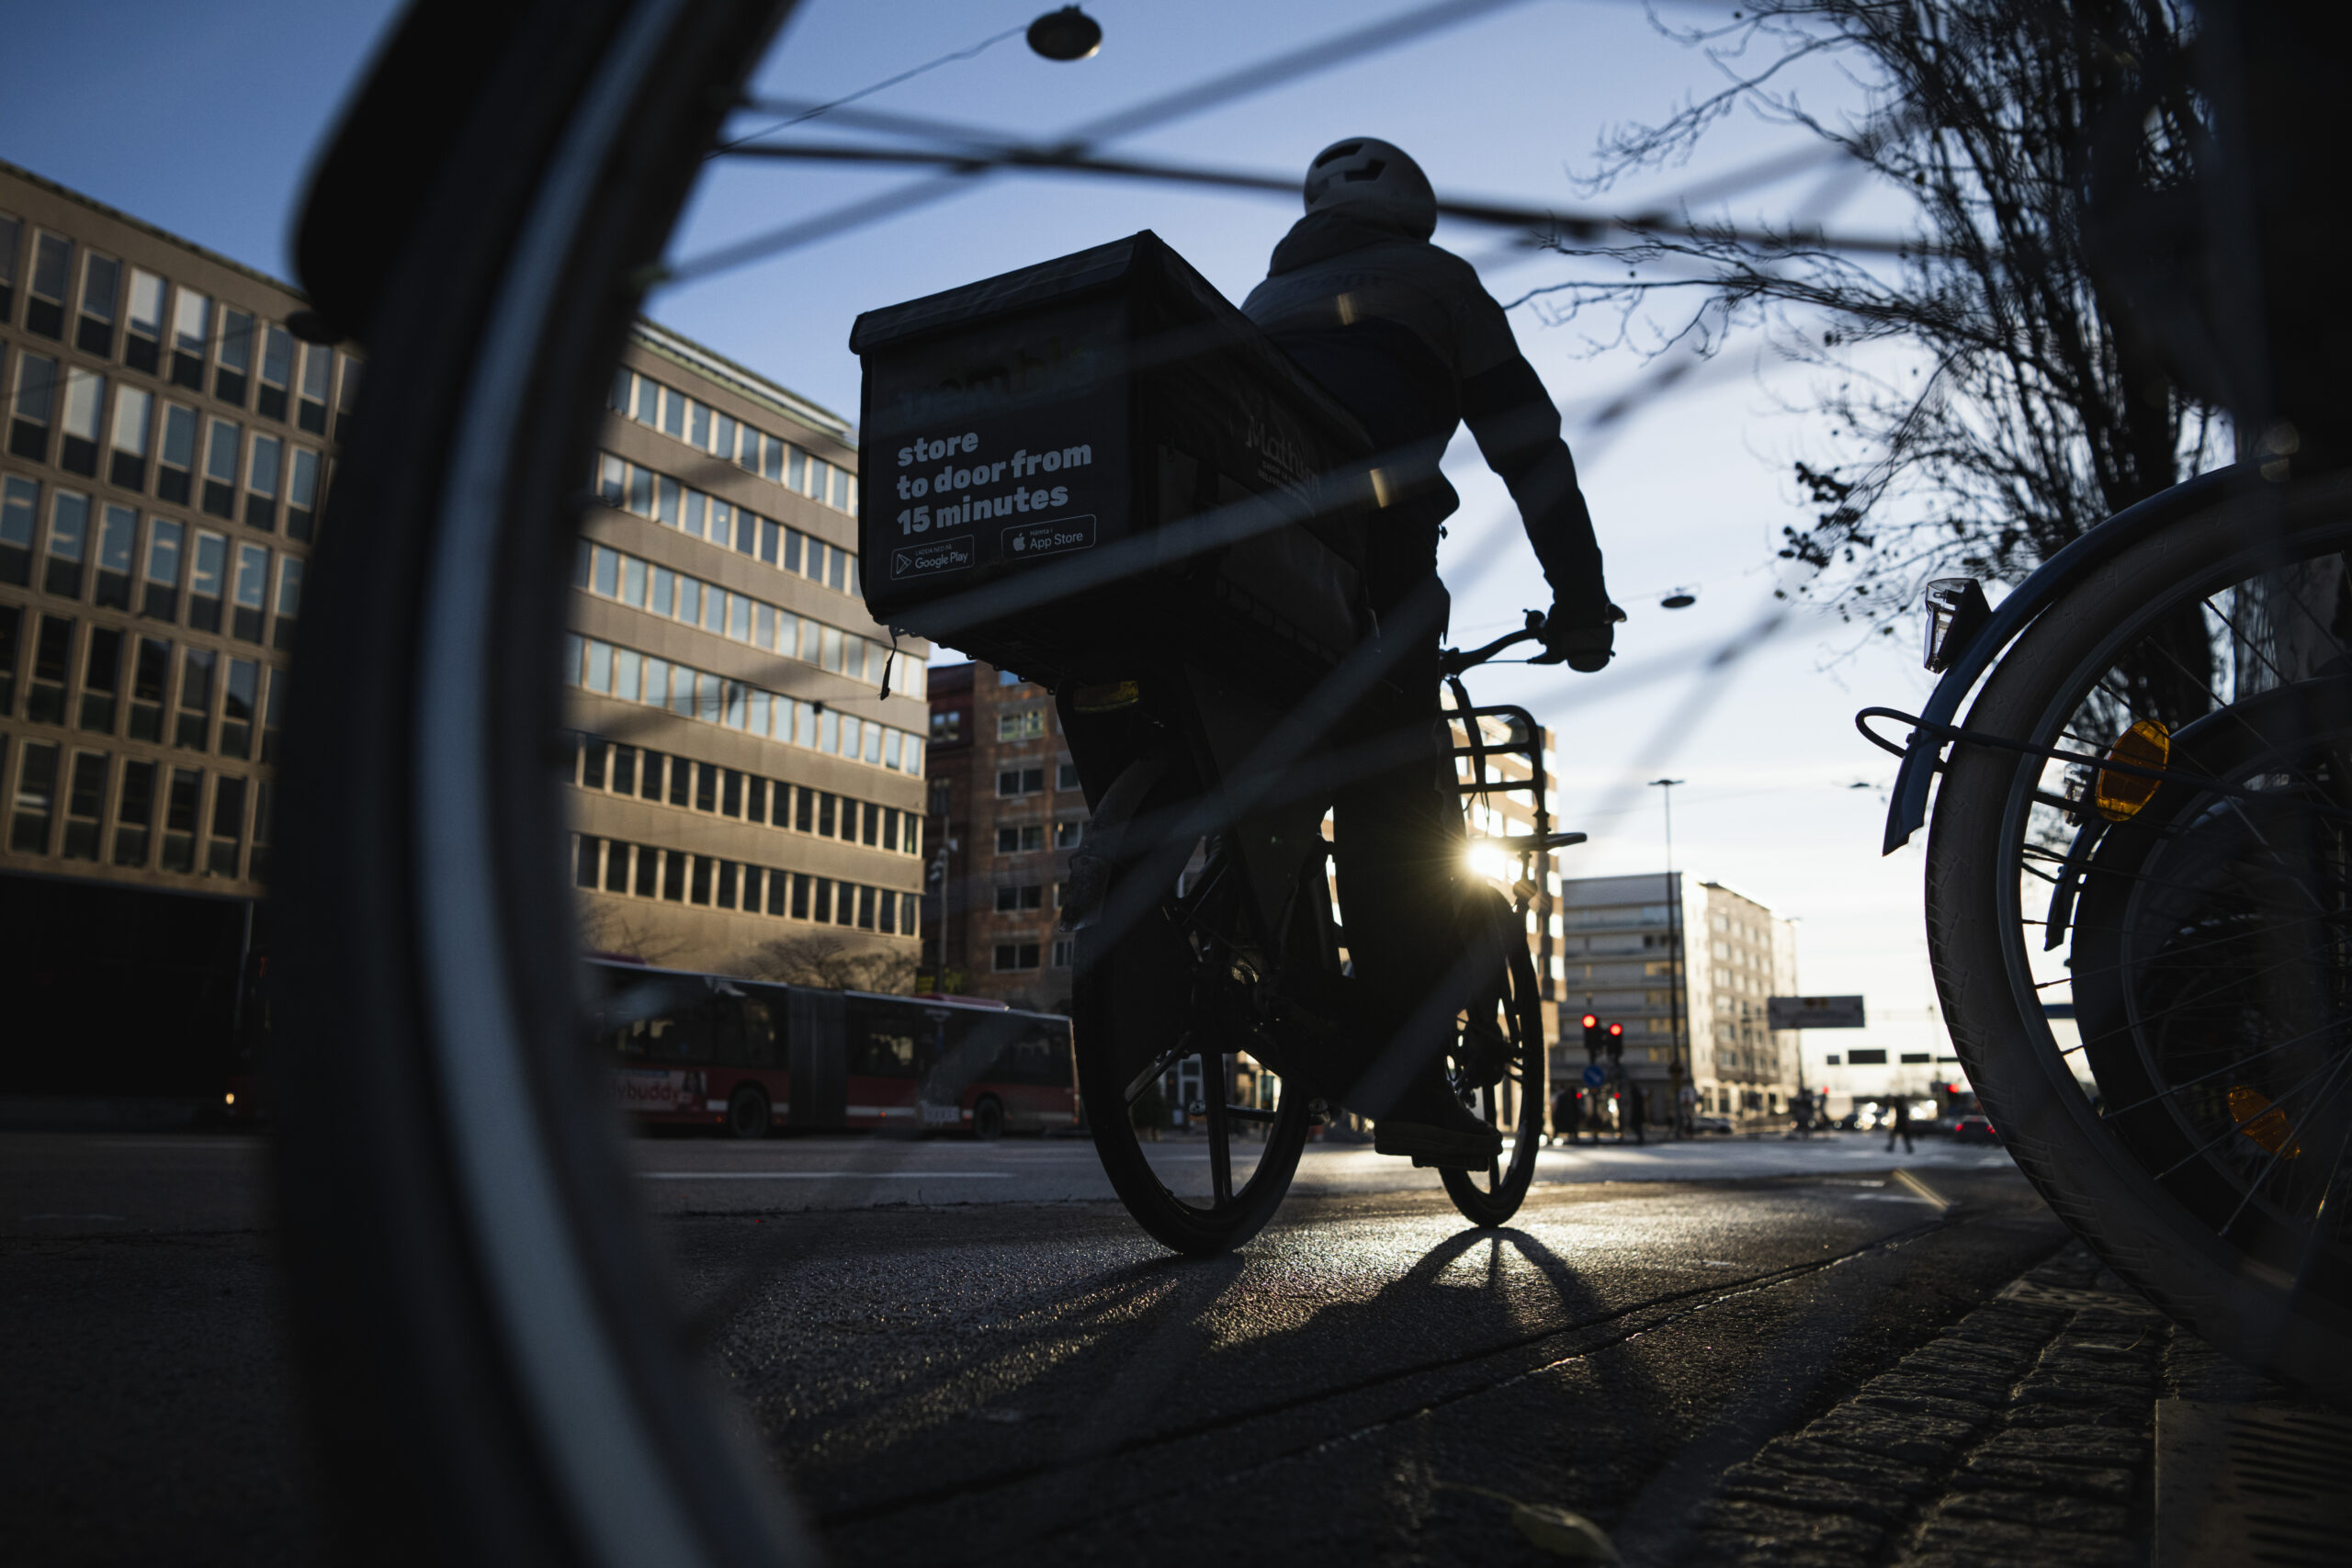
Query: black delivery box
{"x": 1071, "y": 468}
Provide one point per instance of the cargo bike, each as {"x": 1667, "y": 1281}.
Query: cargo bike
{"x": 1096, "y": 472}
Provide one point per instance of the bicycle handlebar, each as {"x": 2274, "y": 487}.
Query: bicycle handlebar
{"x": 1453, "y": 661}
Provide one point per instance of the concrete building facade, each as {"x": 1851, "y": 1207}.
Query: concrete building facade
{"x": 744, "y": 784}
{"x": 169, "y": 446}
{"x": 1622, "y": 938}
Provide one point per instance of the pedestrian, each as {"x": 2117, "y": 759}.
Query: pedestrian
{"x": 1564, "y": 1115}
{"x": 1636, "y": 1113}
{"x": 1686, "y": 1110}
{"x": 1900, "y": 1127}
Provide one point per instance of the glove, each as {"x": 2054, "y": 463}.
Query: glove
{"x": 1580, "y": 641}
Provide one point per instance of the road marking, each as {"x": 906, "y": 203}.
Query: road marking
{"x": 822, "y": 1175}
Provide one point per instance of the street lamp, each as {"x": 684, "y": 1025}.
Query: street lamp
{"x": 1676, "y": 1077}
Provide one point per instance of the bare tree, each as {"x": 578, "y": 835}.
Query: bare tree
{"x": 612, "y": 930}
{"x": 2030, "y": 403}
{"x": 820, "y": 958}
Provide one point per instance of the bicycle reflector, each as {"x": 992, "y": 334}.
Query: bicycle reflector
{"x": 2120, "y": 797}
{"x": 1956, "y": 608}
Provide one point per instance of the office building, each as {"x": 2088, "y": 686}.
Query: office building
{"x": 1006, "y": 811}
{"x": 747, "y": 791}
{"x": 169, "y": 445}
{"x": 1700, "y": 1023}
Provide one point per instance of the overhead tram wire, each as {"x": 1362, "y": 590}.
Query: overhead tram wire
{"x": 802, "y": 113}
{"x": 1035, "y": 159}
{"x": 1292, "y": 65}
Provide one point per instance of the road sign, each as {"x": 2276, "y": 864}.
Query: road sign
{"x": 1595, "y": 1076}
{"x": 1814, "y": 1012}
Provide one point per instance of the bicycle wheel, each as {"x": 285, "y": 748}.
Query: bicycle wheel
{"x": 2198, "y": 925}
{"x": 495, "y": 1363}
{"x": 1495, "y": 1066}
{"x": 1174, "y": 986}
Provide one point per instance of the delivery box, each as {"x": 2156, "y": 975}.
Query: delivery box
{"x": 1066, "y": 467}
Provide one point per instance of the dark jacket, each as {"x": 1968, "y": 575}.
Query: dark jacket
{"x": 1405, "y": 336}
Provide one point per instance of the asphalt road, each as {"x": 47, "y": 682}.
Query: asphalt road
{"x": 962, "y": 1353}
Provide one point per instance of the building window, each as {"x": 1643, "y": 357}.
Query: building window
{"x": 193, "y": 729}
{"x": 1019, "y": 840}
{"x": 36, "y": 798}
{"x": 52, "y": 265}
{"x": 1020, "y": 781}
{"x": 224, "y": 851}
{"x": 180, "y": 806}
{"x": 150, "y": 676}
{"x": 318, "y": 374}
{"x": 251, "y": 591}
{"x": 946, "y": 727}
{"x": 18, "y": 498}
{"x": 52, "y": 662}
{"x": 1066, "y": 776}
{"x": 208, "y": 582}
{"x": 174, "y": 471}
{"x": 1069, "y": 835}
{"x": 1027, "y": 726}
{"x": 101, "y": 289}
{"x": 101, "y": 681}
{"x": 135, "y": 411}
{"x": 134, "y": 814}
{"x": 85, "y": 398}
{"x": 262, "y": 474}
{"x": 234, "y": 372}
{"x": 142, "y": 346}
{"x": 11, "y": 627}
{"x": 276, "y": 377}
{"x": 1064, "y": 951}
{"x": 35, "y": 406}
{"x": 1015, "y": 955}
{"x": 69, "y": 541}
{"x": 1011, "y": 900}
{"x": 220, "y": 469}
{"x": 191, "y": 336}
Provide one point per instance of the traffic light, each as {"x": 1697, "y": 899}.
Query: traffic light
{"x": 1592, "y": 1037}
{"x": 1616, "y": 1042}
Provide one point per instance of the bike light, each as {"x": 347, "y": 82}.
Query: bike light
{"x": 1956, "y": 608}
{"x": 2119, "y": 797}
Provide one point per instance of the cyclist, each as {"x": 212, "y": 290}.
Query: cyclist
{"x": 1402, "y": 334}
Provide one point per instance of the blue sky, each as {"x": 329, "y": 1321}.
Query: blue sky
{"x": 203, "y": 120}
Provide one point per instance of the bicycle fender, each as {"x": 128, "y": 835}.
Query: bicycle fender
{"x": 1907, "y": 811}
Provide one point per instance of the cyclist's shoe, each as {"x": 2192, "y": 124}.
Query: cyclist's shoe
{"x": 1437, "y": 1130}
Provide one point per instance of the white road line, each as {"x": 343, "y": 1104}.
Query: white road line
{"x": 822, "y": 1175}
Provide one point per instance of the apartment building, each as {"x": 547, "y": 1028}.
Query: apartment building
{"x": 747, "y": 772}
{"x": 1622, "y": 937}
{"x": 1006, "y": 811}
{"x": 170, "y": 443}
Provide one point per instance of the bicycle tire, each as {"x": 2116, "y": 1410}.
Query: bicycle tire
{"x": 2093, "y": 1179}
{"x": 1522, "y": 1010}
{"x": 1133, "y": 998}
{"x": 495, "y": 1368}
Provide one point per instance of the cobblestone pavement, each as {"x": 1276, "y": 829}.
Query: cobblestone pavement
{"x": 2022, "y": 1435}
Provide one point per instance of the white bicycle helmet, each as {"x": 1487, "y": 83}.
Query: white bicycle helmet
{"x": 1374, "y": 180}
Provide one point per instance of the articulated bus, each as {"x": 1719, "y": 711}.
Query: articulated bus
{"x": 746, "y": 1056}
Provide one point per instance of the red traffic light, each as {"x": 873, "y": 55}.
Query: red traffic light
{"x": 1616, "y": 1031}
{"x": 1590, "y": 1021}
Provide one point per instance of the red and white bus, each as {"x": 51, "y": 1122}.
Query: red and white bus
{"x": 748, "y": 1055}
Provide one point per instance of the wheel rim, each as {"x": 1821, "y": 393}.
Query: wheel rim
{"x": 2213, "y": 1019}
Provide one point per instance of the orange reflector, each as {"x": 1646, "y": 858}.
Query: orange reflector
{"x": 2263, "y": 1121}
{"x": 2120, "y": 796}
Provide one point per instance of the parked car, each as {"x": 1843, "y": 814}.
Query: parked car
{"x": 1711, "y": 1124}
{"x": 1974, "y": 1130}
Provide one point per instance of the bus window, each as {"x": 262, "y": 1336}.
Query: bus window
{"x": 660, "y": 1022}
{"x": 761, "y": 1019}
{"x": 881, "y": 1046}
{"x": 1035, "y": 1057}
